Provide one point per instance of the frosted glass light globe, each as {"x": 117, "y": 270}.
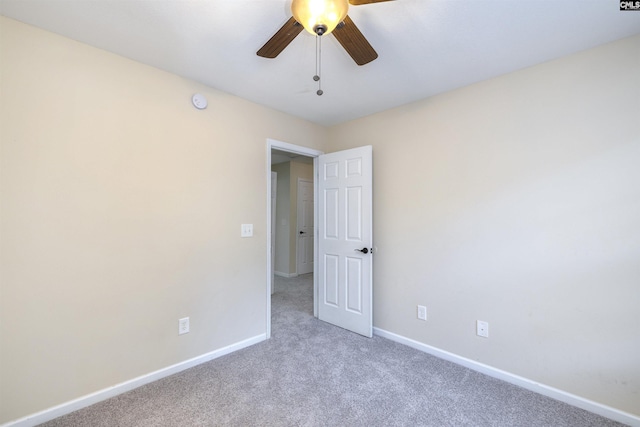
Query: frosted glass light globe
{"x": 319, "y": 16}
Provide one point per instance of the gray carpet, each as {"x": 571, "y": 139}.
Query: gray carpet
{"x": 314, "y": 374}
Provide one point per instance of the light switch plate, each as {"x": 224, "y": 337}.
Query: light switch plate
{"x": 183, "y": 326}
{"x": 246, "y": 230}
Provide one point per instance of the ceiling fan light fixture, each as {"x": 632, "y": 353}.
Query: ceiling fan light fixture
{"x": 319, "y": 16}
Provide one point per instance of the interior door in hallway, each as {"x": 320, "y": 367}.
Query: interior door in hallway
{"x": 345, "y": 239}
{"x": 274, "y": 198}
{"x": 305, "y": 226}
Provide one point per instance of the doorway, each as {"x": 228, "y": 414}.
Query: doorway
{"x": 344, "y": 221}
{"x": 306, "y": 156}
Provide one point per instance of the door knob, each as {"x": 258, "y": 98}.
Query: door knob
{"x": 363, "y": 250}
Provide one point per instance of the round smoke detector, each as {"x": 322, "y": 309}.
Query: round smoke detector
{"x": 199, "y": 101}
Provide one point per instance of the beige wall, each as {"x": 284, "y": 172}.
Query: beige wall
{"x": 517, "y": 201}
{"x": 117, "y": 218}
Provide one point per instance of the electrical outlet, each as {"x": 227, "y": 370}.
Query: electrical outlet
{"x": 482, "y": 328}
{"x": 422, "y": 312}
{"x": 183, "y": 325}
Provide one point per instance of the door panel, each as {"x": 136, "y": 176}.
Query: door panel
{"x": 331, "y": 214}
{"x": 344, "y": 229}
{"x": 354, "y": 285}
{"x": 331, "y": 280}
{"x": 354, "y": 214}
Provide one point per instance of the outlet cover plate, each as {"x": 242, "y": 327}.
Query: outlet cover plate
{"x": 482, "y": 328}
{"x": 422, "y": 312}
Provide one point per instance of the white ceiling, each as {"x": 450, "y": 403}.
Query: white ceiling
{"x": 425, "y": 47}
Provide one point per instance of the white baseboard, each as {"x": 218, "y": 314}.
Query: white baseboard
{"x": 90, "y": 399}
{"x": 554, "y": 393}
{"x": 287, "y": 275}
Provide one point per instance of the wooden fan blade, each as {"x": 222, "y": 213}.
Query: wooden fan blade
{"x": 354, "y": 42}
{"x": 359, "y": 2}
{"x": 280, "y": 39}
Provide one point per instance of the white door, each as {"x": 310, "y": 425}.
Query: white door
{"x": 305, "y": 227}
{"x": 274, "y": 193}
{"x": 345, "y": 239}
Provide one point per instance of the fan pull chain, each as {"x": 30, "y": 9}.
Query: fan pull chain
{"x": 318, "y": 64}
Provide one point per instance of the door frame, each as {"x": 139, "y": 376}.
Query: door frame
{"x": 304, "y": 151}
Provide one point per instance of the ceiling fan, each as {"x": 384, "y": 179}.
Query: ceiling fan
{"x": 323, "y": 17}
